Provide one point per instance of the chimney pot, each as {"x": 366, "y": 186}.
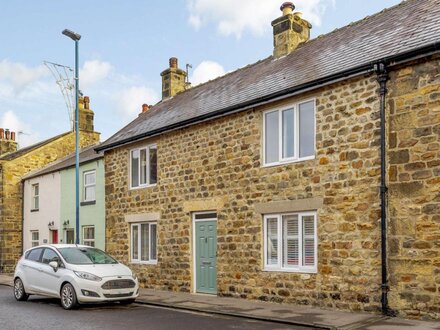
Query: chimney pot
{"x": 287, "y": 8}
{"x": 12, "y": 136}
{"x": 145, "y": 108}
{"x": 7, "y": 134}
{"x": 173, "y": 62}
{"x": 2, "y": 134}
{"x": 86, "y": 102}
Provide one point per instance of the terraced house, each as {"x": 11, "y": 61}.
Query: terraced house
{"x": 14, "y": 164}
{"x": 310, "y": 177}
{"x": 49, "y": 202}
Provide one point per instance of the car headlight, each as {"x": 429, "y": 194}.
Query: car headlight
{"x": 134, "y": 276}
{"x": 87, "y": 276}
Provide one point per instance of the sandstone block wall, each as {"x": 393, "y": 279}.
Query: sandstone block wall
{"x": 414, "y": 189}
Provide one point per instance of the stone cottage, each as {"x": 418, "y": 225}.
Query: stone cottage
{"x": 310, "y": 177}
{"x": 14, "y": 164}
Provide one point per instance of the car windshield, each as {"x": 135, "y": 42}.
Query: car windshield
{"x": 86, "y": 256}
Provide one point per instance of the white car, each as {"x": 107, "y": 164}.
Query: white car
{"x": 75, "y": 273}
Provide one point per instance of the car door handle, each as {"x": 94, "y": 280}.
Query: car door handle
{"x": 40, "y": 269}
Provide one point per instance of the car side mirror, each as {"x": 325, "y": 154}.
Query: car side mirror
{"x": 54, "y": 265}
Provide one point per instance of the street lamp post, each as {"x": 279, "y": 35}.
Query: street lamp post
{"x": 76, "y": 37}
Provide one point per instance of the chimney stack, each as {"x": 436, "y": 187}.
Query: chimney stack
{"x": 86, "y": 116}
{"x": 7, "y": 141}
{"x": 145, "y": 108}
{"x": 289, "y": 30}
{"x": 173, "y": 80}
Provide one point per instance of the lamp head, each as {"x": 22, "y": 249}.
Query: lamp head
{"x": 72, "y": 35}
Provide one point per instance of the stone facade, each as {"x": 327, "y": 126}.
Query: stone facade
{"x": 414, "y": 189}
{"x": 218, "y": 166}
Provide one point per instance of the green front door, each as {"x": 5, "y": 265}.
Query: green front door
{"x": 206, "y": 256}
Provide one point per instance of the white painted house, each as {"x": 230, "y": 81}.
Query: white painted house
{"x": 41, "y": 210}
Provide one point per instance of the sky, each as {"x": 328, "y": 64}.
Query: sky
{"x": 126, "y": 44}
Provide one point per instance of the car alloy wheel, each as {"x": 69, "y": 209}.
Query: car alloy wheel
{"x": 68, "y": 296}
{"x": 19, "y": 292}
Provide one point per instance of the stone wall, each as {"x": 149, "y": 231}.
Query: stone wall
{"x": 11, "y": 194}
{"x": 414, "y": 189}
{"x": 219, "y": 163}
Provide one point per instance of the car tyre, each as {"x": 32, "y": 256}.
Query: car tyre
{"x": 68, "y": 297}
{"x": 19, "y": 292}
{"x": 127, "y": 301}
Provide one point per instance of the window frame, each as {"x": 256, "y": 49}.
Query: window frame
{"x": 296, "y": 158}
{"x": 278, "y": 267}
{"x": 150, "y": 261}
{"x": 130, "y": 176}
{"x": 35, "y": 197}
{"x": 84, "y": 240}
{"x": 85, "y": 186}
{"x": 33, "y": 240}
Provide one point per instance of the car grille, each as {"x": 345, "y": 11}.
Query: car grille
{"x": 118, "y": 295}
{"x": 118, "y": 284}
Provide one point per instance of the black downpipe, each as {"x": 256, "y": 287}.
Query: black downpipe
{"x": 382, "y": 78}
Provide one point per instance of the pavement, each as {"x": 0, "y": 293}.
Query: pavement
{"x": 306, "y": 316}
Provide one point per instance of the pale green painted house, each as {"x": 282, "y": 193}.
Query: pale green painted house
{"x": 92, "y": 199}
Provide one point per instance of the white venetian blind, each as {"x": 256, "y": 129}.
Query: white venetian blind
{"x": 308, "y": 240}
{"x": 290, "y": 240}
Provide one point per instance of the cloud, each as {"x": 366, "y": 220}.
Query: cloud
{"x": 207, "y": 70}
{"x": 24, "y": 133}
{"x": 128, "y": 102}
{"x": 234, "y": 17}
{"x": 93, "y": 72}
{"x": 18, "y": 76}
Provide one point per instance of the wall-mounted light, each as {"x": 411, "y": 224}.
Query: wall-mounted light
{"x": 50, "y": 224}
{"x": 66, "y": 223}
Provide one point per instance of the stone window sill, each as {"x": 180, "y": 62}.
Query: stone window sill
{"x": 88, "y": 203}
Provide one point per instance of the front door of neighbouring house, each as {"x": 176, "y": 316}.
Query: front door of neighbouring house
{"x": 70, "y": 236}
{"x": 54, "y": 236}
{"x": 205, "y": 228}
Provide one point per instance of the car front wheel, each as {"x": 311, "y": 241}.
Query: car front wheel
{"x": 68, "y": 297}
{"x": 19, "y": 292}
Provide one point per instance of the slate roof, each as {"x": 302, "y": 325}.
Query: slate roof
{"x": 411, "y": 25}
{"x": 23, "y": 151}
{"x": 86, "y": 155}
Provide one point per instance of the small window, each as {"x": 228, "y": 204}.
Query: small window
{"x": 143, "y": 242}
{"x": 49, "y": 255}
{"x": 289, "y": 134}
{"x": 89, "y": 235}
{"x": 35, "y": 238}
{"x": 89, "y": 186}
{"x": 143, "y": 166}
{"x": 35, "y": 196}
{"x": 34, "y": 255}
{"x": 290, "y": 242}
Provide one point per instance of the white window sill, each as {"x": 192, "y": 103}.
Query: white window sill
{"x": 286, "y": 162}
{"x": 143, "y": 262}
{"x": 291, "y": 270}
{"x": 144, "y": 186}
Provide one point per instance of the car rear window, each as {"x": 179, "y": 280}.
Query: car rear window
{"x": 86, "y": 256}
{"x": 34, "y": 254}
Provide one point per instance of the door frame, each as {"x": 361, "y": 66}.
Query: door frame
{"x": 194, "y": 221}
